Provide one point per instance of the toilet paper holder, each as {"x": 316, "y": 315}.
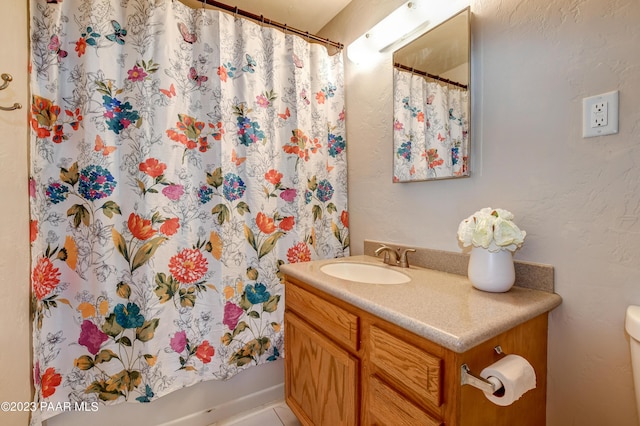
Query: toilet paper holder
{"x": 468, "y": 378}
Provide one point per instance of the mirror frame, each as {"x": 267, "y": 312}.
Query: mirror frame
{"x": 419, "y": 41}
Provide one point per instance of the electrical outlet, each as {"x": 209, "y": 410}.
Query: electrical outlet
{"x": 600, "y": 115}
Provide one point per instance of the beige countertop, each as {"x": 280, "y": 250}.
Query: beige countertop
{"x": 439, "y": 306}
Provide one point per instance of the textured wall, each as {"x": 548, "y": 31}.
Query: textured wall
{"x": 579, "y": 199}
{"x": 15, "y": 338}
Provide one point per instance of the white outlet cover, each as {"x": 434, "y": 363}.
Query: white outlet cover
{"x": 611, "y": 100}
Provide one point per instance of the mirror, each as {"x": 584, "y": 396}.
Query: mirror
{"x": 431, "y": 103}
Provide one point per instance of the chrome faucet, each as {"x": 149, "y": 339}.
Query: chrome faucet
{"x": 394, "y": 257}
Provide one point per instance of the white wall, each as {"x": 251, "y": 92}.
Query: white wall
{"x": 578, "y": 199}
{"x": 15, "y": 337}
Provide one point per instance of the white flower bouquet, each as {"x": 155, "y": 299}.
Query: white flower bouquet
{"x": 492, "y": 229}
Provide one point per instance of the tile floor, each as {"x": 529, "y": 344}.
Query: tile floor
{"x": 277, "y": 414}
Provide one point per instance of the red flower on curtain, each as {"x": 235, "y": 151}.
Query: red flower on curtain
{"x": 44, "y": 278}
{"x": 299, "y": 253}
{"x": 152, "y": 167}
{"x": 188, "y": 266}
{"x": 265, "y": 223}
{"x": 50, "y": 380}
{"x": 140, "y": 227}
{"x": 204, "y": 352}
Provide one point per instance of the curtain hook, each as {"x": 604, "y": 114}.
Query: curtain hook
{"x": 203, "y": 3}
{"x": 262, "y": 20}
{"x": 235, "y": 13}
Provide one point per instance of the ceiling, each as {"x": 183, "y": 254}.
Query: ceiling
{"x": 305, "y": 15}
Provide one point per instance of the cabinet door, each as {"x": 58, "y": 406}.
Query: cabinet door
{"x": 387, "y": 407}
{"x": 321, "y": 379}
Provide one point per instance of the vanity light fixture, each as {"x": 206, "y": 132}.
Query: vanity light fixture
{"x": 401, "y": 26}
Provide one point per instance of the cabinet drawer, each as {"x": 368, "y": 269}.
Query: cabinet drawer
{"x": 387, "y": 407}
{"x": 409, "y": 369}
{"x": 337, "y": 323}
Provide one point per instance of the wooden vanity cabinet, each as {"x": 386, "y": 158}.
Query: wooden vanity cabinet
{"x": 345, "y": 366}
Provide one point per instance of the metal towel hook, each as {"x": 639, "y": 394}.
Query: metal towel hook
{"x": 7, "y": 79}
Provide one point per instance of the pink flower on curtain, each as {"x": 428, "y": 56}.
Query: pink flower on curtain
{"x": 91, "y": 336}
{"x": 179, "y": 341}
{"x": 173, "y": 191}
{"x": 232, "y": 314}
{"x": 137, "y": 73}
{"x": 289, "y": 195}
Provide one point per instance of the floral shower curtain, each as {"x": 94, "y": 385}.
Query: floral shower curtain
{"x": 179, "y": 157}
{"x": 430, "y": 137}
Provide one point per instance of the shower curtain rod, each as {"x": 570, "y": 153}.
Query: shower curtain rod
{"x": 262, "y": 19}
{"x": 426, "y": 74}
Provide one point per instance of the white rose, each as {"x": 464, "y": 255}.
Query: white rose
{"x": 465, "y": 231}
{"x": 506, "y": 233}
{"x": 483, "y": 233}
{"x": 504, "y": 214}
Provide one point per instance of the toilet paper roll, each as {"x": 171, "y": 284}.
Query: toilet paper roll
{"x": 516, "y": 375}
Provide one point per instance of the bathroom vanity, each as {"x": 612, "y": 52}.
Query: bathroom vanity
{"x": 392, "y": 354}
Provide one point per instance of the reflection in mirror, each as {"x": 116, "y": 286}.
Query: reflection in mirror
{"x": 431, "y": 104}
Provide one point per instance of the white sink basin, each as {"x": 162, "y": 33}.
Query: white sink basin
{"x": 365, "y": 273}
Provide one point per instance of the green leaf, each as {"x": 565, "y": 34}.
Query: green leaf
{"x": 80, "y": 215}
{"x": 111, "y": 207}
{"x": 146, "y": 332}
{"x": 272, "y": 304}
{"x": 251, "y": 238}
{"x": 187, "y": 297}
{"x": 331, "y": 208}
{"x": 312, "y": 184}
{"x": 223, "y": 213}
{"x": 269, "y": 244}
{"x": 70, "y": 176}
{"x": 105, "y": 355}
{"x": 242, "y": 326}
{"x": 215, "y": 179}
{"x": 100, "y": 387}
{"x": 111, "y": 327}
{"x": 317, "y": 212}
{"x": 165, "y": 288}
{"x": 243, "y": 208}
{"x": 146, "y": 252}
{"x": 124, "y": 341}
{"x": 253, "y": 314}
{"x": 120, "y": 243}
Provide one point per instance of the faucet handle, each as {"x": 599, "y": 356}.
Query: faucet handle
{"x": 388, "y": 254}
{"x": 404, "y": 261}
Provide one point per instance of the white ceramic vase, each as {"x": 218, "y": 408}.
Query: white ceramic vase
{"x": 491, "y": 271}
